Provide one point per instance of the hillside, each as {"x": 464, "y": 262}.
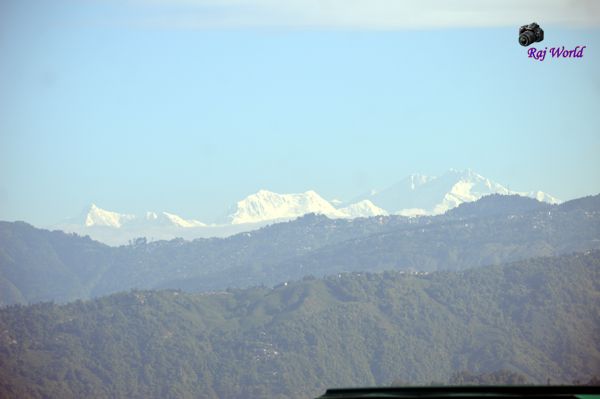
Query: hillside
{"x": 538, "y": 318}
{"x": 38, "y": 265}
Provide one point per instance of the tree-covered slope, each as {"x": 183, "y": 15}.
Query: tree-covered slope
{"x": 539, "y": 318}
{"x": 39, "y": 265}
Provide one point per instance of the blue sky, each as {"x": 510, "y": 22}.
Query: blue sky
{"x": 190, "y": 106}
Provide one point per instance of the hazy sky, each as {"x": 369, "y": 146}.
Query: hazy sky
{"x": 189, "y": 106}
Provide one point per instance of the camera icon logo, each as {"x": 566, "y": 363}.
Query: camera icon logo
{"x": 529, "y": 34}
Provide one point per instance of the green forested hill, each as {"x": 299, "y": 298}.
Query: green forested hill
{"x": 38, "y": 265}
{"x": 539, "y": 318}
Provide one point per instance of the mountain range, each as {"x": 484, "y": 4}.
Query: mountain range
{"x": 40, "y": 265}
{"x": 416, "y": 195}
{"x": 506, "y": 286}
{"x": 97, "y": 217}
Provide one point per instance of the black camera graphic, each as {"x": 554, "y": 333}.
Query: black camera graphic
{"x": 530, "y": 33}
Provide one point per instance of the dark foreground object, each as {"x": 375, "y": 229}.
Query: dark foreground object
{"x": 466, "y": 392}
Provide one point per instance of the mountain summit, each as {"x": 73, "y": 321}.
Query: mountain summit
{"x": 94, "y": 216}
{"x": 430, "y": 195}
{"x": 267, "y": 205}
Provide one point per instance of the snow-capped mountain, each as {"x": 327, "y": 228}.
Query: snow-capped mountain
{"x": 541, "y": 196}
{"x": 362, "y": 209}
{"x": 95, "y": 216}
{"x": 429, "y": 195}
{"x": 170, "y": 219}
{"x": 116, "y": 228}
{"x": 267, "y": 205}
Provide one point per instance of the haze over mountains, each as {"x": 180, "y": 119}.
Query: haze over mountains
{"x": 415, "y": 195}
{"x": 38, "y": 265}
{"x": 504, "y": 284}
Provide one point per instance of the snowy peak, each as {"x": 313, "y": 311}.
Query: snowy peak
{"x": 362, "y": 209}
{"x": 471, "y": 186}
{"x": 98, "y": 217}
{"x": 181, "y": 222}
{"x": 542, "y": 197}
{"x": 267, "y": 205}
{"x": 468, "y": 187}
{"x": 429, "y": 195}
{"x": 170, "y": 219}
